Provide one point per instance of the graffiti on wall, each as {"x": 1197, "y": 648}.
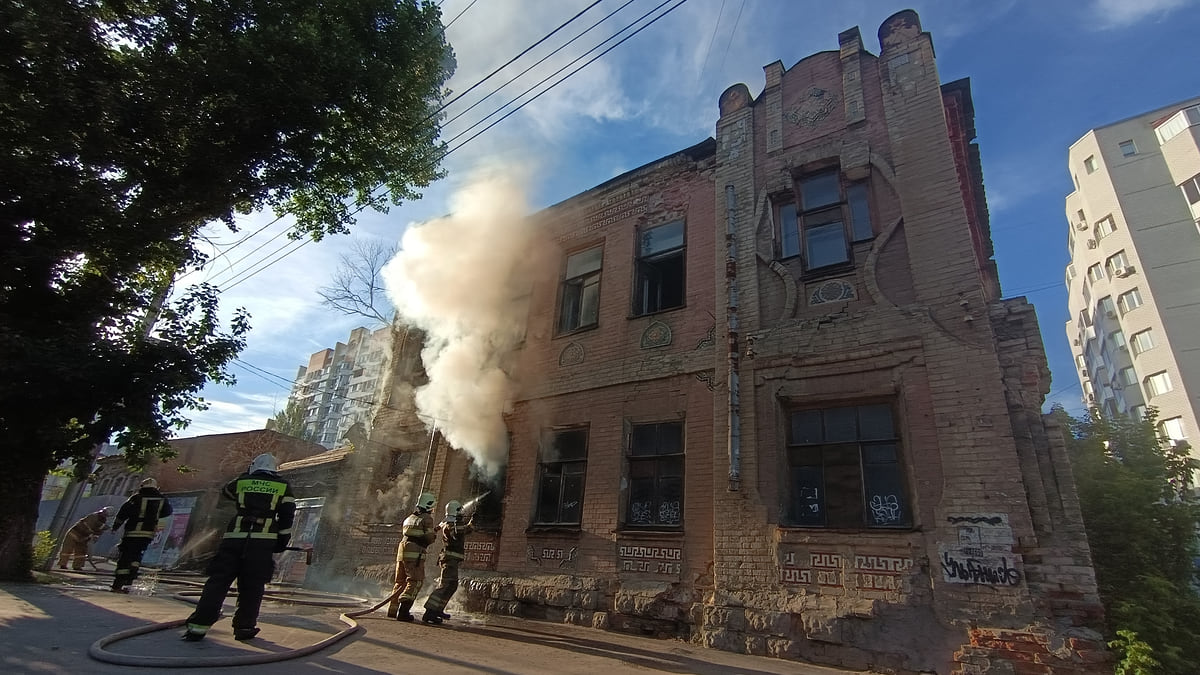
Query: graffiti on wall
{"x": 857, "y": 571}
{"x": 982, "y": 551}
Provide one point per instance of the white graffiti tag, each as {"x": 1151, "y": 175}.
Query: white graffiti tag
{"x": 885, "y": 508}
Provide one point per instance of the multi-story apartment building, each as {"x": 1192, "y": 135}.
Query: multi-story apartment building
{"x": 1134, "y": 295}
{"x": 338, "y": 386}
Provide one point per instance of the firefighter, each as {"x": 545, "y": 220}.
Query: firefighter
{"x": 140, "y": 515}
{"x": 454, "y": 539}
{"x": 416, "y": 534}
{"x": 77, "y": 540}
{"x": 261, "y": 528}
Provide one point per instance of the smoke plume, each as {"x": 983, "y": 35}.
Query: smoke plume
{"x": 465, "y": 279}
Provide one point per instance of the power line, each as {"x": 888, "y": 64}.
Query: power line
{"x": 552, "y": 86}
{"x": 429, "y": 117}
{"x": 459, "y": 14}
{"x": 540, "y": 62}
{"x": 732, "y": 32}
{"x": 679, "y": 3}
{"x": 712, "y": 39}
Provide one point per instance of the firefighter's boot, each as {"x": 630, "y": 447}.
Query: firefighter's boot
{"x": 403, "y": 613}
{"x": 432, "y": 616}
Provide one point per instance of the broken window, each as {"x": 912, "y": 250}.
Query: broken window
{"x": 655, "y": 475}
{"x": 660, "y": 269}
{"x": 561, "y": 469}
{"x": 844, "y": 469}
{"x": 580, "y": 297}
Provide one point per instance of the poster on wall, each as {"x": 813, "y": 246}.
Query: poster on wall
{"x": 291, "y": 567}
{"x": 170, "y": 538}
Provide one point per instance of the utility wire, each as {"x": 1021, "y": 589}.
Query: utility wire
{"x": 712, "y": 39}
{"x": 732, "y": 32}
{"x": 523, "y": 53}
{"x": 429, "y": 117}
{"x": 511, "y": 112}
{"x": 540, "y": 62}
{"x": 568, "y": 75}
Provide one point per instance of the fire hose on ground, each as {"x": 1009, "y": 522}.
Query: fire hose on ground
{"x": 99, "y": 652}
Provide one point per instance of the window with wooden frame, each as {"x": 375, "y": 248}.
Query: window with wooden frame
{"x": 655, "y": 458}
{"x": 659, "y": 265}
{"x": 579, "y": 297}
{"x": 561, "y": 468}
{"x": 831, "y": 215}
{"x": 844, "y": 468}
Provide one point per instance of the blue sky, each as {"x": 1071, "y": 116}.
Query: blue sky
{"x": 1042, "y": 74}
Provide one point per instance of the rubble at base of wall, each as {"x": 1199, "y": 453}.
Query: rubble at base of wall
{"x": 881, "y": 638}
{"x": 1036, "y": 651}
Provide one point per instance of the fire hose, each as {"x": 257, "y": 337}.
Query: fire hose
{"x": 97, "y": 649}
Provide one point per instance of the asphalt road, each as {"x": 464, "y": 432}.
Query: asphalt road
{"x": 49, "y": 628}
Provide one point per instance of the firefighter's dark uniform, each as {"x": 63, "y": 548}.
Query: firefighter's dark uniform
{"x": 77, "y": 539}
{"x": 261, "y": 528}
{"x": 418, "y": 533}
{"x": 454, "y": 541}
{"x": 140, "y": 515}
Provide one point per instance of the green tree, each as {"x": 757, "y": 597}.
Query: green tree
{"x": 125, "y": 127}
{"x": 1141, "y": 519}
{"x": 290, "y": 421}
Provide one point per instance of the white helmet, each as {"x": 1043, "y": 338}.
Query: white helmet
{"x": 264, "y": 462}
{"x": 426, "y": 501}
{"x": 150, "y": 483}
{"x": 453, "y": 511}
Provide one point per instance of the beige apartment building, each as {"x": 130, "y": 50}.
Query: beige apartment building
{"x": 1133, "y": 278}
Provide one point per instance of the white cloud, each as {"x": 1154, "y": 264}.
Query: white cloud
{"x": 1110, "y": 14}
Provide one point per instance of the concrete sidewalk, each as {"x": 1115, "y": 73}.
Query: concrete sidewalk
{"x": 48, "y": 628}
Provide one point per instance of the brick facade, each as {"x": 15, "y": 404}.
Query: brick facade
{"x": 988, "y": 570}
{"x": 951, "y": 542}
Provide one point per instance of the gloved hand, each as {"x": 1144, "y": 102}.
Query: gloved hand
{"x": 281, "y": 544}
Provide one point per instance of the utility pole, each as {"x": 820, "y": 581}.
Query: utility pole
{"x": 74, "y": 492}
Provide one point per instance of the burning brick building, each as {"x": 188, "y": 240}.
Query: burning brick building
{"x": 780, "y": 407}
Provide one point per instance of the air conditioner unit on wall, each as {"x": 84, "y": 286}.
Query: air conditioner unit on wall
{"x": 1110, "y": 314}
{"x": 1076, "y": 342}
{"x": 1123, "y": 271}
{"x": 1091, "y": 398}
{"x": 1092, "y": 243}
{"x": 1081, "y": 225}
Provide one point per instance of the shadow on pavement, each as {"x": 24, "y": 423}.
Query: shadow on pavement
{"x": 48, "y": 629}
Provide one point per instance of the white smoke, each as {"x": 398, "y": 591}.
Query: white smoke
{"x": 465, "y": 279}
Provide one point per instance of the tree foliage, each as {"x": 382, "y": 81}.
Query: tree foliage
{"x": 1135, "y": 490}
{"x": 290, "y": 421}
{"x": 127, "y": 126}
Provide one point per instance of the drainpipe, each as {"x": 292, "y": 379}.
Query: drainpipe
{"x": 734, "y": 442}
{"x": 429, "y": 458}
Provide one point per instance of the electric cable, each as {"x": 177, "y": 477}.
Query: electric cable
{"x": 429, "y": 117}
{"x": 505, "y": 116}
{"x": 540, "y": 62}
{"x": 566, "y": 77}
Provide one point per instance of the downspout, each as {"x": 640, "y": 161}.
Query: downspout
{"x": 734, "y": 442}
{"x": 429, "y": 457}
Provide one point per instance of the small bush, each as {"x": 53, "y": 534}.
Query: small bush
{"x": 1136, "y": 657}
{"x": 43, "y": 548}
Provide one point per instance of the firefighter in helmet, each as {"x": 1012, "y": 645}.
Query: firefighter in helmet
{"x": 81, "y": 535}
{"x": 454, "y": 539}
{"x": 417, "y": 534}
{"x": 261, "y": 528}
{"x": 139, "y": 515}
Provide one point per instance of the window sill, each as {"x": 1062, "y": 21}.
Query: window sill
{"x": 572, "y": 530}
{"x": 631, "y": 317}
{"x": 648, "y": 533}
{"x": 577, "y": 331}
{"x": 901, "y": 529}
{"x": 827, "y": 272}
